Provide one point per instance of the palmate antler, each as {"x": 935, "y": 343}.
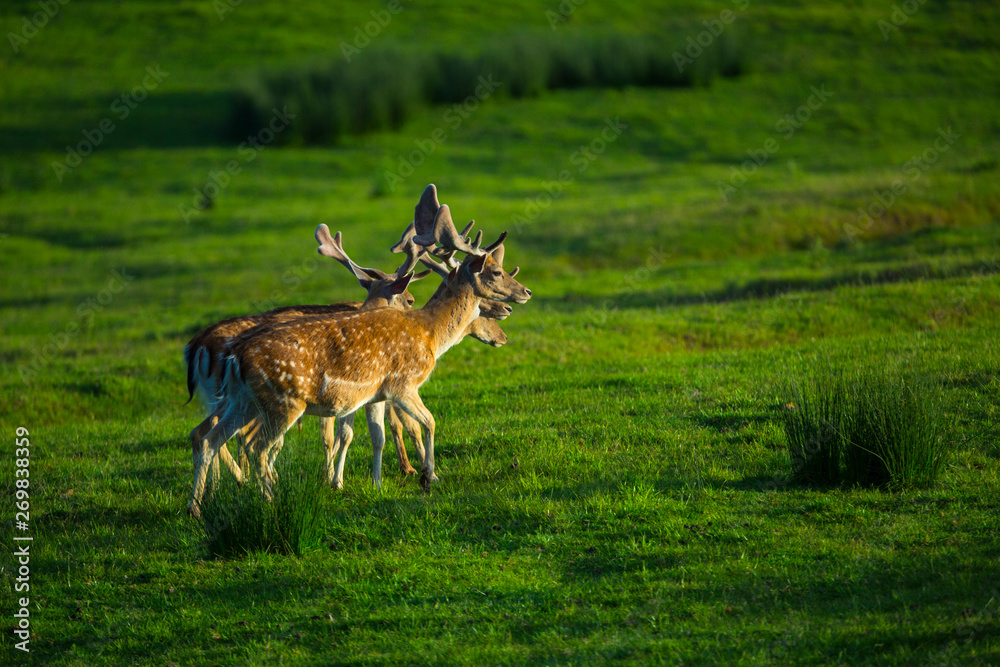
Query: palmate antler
{"x": 330, "y": 246}
{"x": 432, "y": 225}
{"x": 443, "y": 232}
{"x": 414, "y": 252}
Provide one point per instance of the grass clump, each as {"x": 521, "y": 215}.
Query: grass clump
{"x": 815, "y": 421}
{"x": 876, "y": 426}
{"x": 381, "y": 88}
{"x": 238, "y": 519}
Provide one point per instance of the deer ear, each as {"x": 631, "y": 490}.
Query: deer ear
{"x": 476, "y": 265}
{"x": 452, "y": 274}
{"x": 399, "y": 285}
{"x": 366, "y": 284}
{"x": 498, "y": 255}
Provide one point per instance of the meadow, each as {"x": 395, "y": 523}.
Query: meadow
{"x": 615, "y": 481}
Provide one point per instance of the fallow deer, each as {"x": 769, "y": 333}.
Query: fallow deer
{"x": 333, "y": 365}
{"x": 484, "y": 329}
{"x": 203, "y": 353}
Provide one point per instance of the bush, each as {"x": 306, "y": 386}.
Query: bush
{"x": 382, "y": 88}
{"x": 877, "y": 427}
{"x": 238, "y": 519}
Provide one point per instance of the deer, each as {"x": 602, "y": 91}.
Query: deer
{"x": 484, "y": 329}
{"x": 384, "y": 290}
{"x": 332, "y": 365}
{"x": 202, "y": 353}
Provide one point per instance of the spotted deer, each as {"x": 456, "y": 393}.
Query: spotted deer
{"x": 484, "y": 329}
{"x": 332, "y": 365}
{"x": 204, "y": 352}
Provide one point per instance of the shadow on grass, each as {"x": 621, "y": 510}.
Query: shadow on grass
{"x": 162, "y": 120}
{"x": 766, "y": 288}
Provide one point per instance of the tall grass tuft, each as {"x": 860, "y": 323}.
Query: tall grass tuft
{"x": 876, "y": 426}
{"x": 815, "y": 426}
{"x": 384, "y": 86}
{"x": 895, "y": 435}
{"x": 238, "y": 519}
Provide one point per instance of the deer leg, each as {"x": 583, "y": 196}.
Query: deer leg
{"x": 345, "y": 433}
{"x": 413, "y": 429}
{"x": 267, "y": 443}
{"x": 411, "y": 404}
{"x": 198, "y": 434}
{"x": 396, "y": 427}
{"x": 375, "y": 413}
{"x": 327, "y": 426}
{"x": 228, "y": 426}
{"x": 272, "y": 455}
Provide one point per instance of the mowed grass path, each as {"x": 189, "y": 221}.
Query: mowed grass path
{"x": 614, "y": 480}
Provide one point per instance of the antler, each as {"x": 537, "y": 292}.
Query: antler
{"x": 413, "y": 251}
{"x": 443, "y": 232}
{"x": 426, "y": 209}
{"x": 330, "y": 246}
{"x": 444, "y": 270}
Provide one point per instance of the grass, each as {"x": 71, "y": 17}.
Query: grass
{"x": 238, "y": 520}
{"x": 897, "y": 433}
{"x": 613, "y": 479}
{"x": 865, "y": 426}
{"x": 387, "y": 86}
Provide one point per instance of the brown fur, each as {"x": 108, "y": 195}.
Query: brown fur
{"x": 332, "y": 365}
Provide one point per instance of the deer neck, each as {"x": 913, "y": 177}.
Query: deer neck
{"x": 448, "y": 315}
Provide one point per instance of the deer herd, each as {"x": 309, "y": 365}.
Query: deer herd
{"x": 259, "y": 374}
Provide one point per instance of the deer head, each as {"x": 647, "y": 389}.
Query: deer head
{"x": 486, "y": 330}
{"x": 482, "y": 268}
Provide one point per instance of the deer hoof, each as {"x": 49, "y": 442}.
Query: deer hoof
{"x": 425, "y": 480}
{"x": 194, "y": 511}
{"x": 410, "y": 470}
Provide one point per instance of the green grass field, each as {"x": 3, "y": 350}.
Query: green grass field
{"x": 615, "y": 483}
